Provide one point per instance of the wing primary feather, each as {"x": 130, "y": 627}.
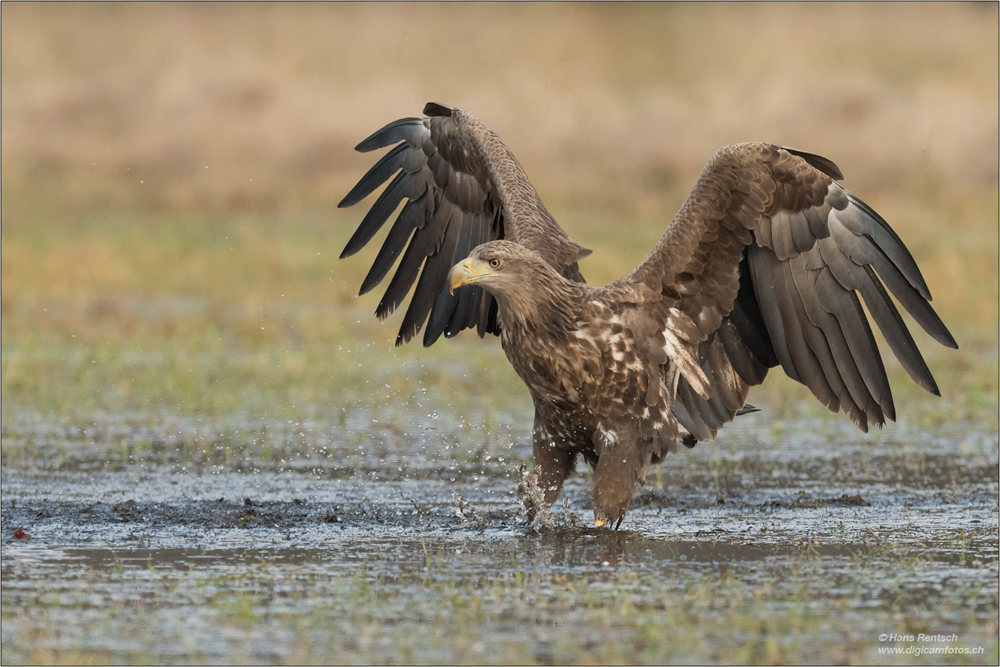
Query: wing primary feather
{"x": 489, "y": 316}
{"x": 377, "y": 175}
{"x": 863, "y": 251}
{"x": 858, "y": 333}
{"x": 797, "y": 331}
{"x": 408, "y": 267}
{"x": 379, "y": 213}
{"x": 915, "y": 305}
{"x": 769, "y": 310}
{"x": 447, "y": 304}
{"x": 861, "y": 219}
{"x": 409, "y": 129}
{"x": 827, "y": 340}
{"x": 432, "y": 278}
{"x": 460, "y": 313}
{"x": 476, "y": 295}
{"x": 407, "y": 220}
{"x": 895, "y": 332}
{"x": 467, "y": 240}
{"x": 438, "y": 320}
{"x": 851, "y": 276}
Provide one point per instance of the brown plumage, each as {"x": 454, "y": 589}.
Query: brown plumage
{"x": 761, "y": 267}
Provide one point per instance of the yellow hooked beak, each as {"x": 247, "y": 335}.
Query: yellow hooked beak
{"x": 468, "y": 271}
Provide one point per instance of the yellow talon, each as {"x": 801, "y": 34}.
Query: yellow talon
{"x": 600, "y": 523}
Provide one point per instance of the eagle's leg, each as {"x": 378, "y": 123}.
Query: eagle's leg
{"x": 616, "y": 476}
{"x": 552, "y": 465}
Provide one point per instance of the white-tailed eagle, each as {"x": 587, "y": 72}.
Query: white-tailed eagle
{"x": 763, "y": 266}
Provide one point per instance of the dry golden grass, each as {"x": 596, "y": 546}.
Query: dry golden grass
{"x": 584, "y": 92}
{"x": 171, "y": 150}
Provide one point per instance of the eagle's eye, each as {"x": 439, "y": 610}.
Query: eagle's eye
{"x": 495, "y": 263}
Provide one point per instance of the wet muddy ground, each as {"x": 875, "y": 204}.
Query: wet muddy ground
{"x": 178, "y": 541}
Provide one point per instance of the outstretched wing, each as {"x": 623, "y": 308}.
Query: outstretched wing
{"x": 764, "y": 263}
{"x": 462, "y": 187}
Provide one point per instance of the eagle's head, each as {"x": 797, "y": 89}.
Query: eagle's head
{"x": 528, "y": 291}
{"x": 502, "y": 267}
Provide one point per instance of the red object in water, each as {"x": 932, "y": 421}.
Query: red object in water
{"x": 19, "y": 534}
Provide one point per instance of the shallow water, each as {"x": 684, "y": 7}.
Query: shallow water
{"x": 234, "y": 540}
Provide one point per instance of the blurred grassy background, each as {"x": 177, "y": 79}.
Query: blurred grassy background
{"x": 170, "y": 174}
